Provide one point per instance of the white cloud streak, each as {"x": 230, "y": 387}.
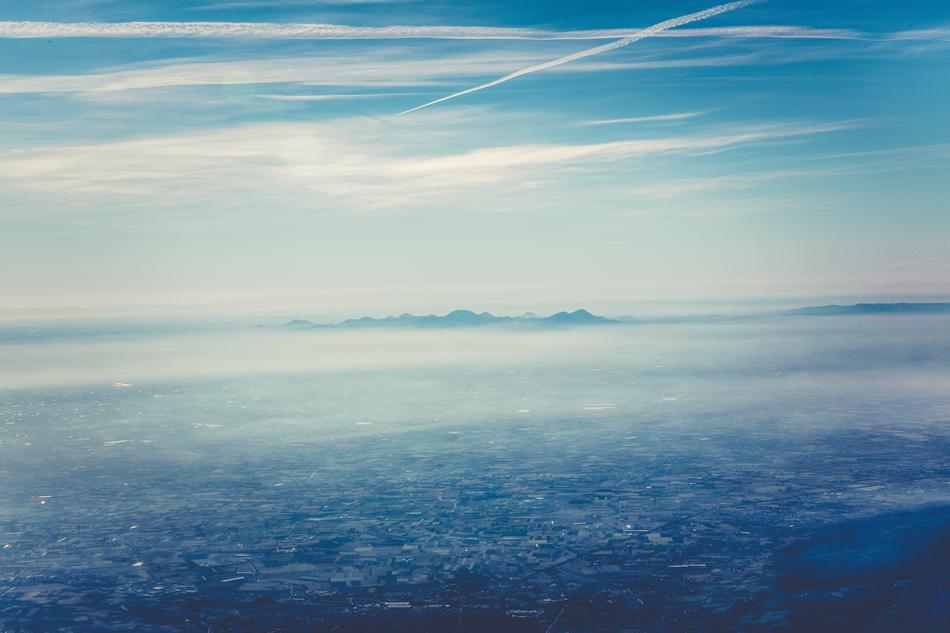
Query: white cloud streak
{"x": 332, "y": 97}
{"x": 316, "y": 31}
{"x": 23, "y": 29}
{"x": 676, "y": 116}
{"x": 289, "y": 4}
{"x": 371, "y": 69}
{"x": 350, "y": 164}
{"x": 374, "y": 69}
{"x": 271, "y": 30}
{"x": 597, "y": 50}
{"x": 942, "y": 35}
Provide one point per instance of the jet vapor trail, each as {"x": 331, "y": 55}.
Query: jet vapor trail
{"x": 630, "y": 39}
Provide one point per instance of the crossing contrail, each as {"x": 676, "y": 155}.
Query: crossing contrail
{"x": 630, "y": 39}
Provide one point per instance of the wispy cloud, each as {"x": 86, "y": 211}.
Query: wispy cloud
{"x": 676, "y": 116}
{"x": 289, "y": 4}
{"x": 936, "y": 149}
{"x": 922, "y": 34}
{"x": 269, "y": 30}
{"x": 332, "y": 97}
{"x": 370, "y": 69}
{"x": 317, "y": 31}
{"x": 376, "y": 68}
{"x": 348, "y": 164}
{"x": 768, "y": 31}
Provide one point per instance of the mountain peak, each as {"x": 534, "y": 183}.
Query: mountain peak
{"x": 577, "y": 317}
{"x": 299, "y": 323}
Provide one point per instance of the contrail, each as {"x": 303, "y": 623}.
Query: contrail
{"x": 630, "y": 39}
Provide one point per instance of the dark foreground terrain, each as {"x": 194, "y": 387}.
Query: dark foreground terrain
{"x": 720, "y": 480}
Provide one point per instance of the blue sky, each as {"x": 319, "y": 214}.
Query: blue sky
{"x": 786, "y": 149}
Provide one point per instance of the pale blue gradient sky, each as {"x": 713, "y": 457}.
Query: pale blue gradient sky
{"x": 714, "y": 162}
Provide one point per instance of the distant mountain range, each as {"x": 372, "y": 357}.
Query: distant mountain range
{"x": 874, "y": 308}
{"x": 467, "y": 318}
{"x": 463, "y": 318}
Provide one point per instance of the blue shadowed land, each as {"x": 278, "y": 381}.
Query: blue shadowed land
{"x": 771, "y": 473}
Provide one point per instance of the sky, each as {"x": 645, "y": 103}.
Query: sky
{"x": 237, "y": 156}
